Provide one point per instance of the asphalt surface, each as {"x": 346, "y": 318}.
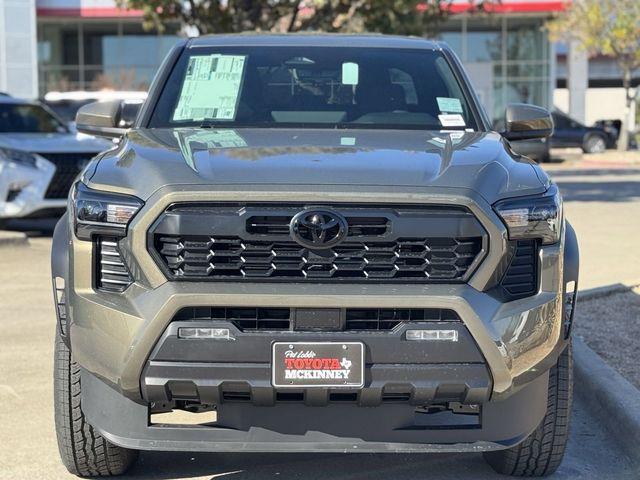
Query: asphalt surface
{"x": 601, "y": 207}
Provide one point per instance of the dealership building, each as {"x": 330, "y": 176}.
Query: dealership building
{"x": 53, "y": 45}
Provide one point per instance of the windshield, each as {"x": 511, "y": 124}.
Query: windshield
{"x": 25, "y": 118}
{"x": 319, "y": 87}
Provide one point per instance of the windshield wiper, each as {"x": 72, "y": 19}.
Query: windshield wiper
{"x": 210, "y": 123}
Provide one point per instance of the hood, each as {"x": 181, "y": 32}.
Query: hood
{"x": 149, "y": 159}
{"x": 54, "y": 142}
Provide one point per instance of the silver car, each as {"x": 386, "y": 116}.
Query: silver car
{"x": 39, "y": 159}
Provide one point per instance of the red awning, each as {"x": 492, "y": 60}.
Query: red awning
{"x": 514, "y": 6}
{"x": 88, "y": 12}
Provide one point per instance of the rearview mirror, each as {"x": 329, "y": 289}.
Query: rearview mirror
{"x": 111, "y": 118}
{"x": 526, "y": 122}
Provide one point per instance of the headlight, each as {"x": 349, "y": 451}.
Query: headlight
{"x": 533, "y": 217}
{"x": 17, "y": 156}
{"x": 101, "y": 213}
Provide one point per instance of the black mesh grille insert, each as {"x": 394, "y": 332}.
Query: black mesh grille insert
{"x": 68, "y": 167}
{"x": 389, "y": 318}
{"x": 521, "y": 278}
{"x": 112, "y": 274}
{"x": 279, "y": 318}
{"x": 245, "y": 318}
{"x": 408, "y": 259}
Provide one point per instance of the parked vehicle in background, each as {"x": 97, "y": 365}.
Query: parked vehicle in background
{"x": 314, "y": 243}
{"x": 66, "y": 104}
{"x": 39, "y": 159}
{"x": 570, "y": 133}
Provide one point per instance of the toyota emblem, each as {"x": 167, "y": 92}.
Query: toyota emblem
{"x": 318, "y": 229}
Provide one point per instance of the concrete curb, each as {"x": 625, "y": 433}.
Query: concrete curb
{"x": 609, "y": 396}
{"x": 607, "y": 290}
{"x": 13, "y": 239}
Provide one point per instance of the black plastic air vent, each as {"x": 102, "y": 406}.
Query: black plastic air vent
{"x": 521, "y": 278}
{"x": 280, "y": 318}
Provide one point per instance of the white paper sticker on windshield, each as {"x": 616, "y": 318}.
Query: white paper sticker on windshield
{"x": 449, "y": 105}
{"x": 452, "y": 120}
{"x": 211, "y": 88}
{"x": 350, "y": 73}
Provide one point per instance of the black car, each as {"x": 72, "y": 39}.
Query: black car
{"x": 569, "y": 133}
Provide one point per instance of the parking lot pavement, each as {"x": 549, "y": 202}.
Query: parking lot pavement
{"x": 28, "y": 442}
{"x": 603, "y": 205}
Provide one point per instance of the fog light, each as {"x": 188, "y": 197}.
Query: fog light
{"x": 444, "y": 335}
{"x": 207, "y": 333}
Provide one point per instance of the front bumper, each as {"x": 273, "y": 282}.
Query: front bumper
{"x": 299, "y": 428}
{"x": 112, "y": 336}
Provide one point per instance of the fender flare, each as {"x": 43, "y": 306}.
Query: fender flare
{"x": 60, "y": 269}
{"x": 571, "y": 273}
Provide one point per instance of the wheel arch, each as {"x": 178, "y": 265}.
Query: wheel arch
{"x": 60, "y": 270}
{"x": 571, "y": 273}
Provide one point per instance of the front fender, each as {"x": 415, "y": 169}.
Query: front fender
{"x": 570, "y": 274}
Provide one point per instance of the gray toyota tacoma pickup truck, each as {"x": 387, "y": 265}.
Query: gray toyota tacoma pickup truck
{"x": 313, "y": 243}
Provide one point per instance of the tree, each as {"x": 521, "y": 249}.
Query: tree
{"x": 605, "y": 27}
{"x": 405, "y": 17}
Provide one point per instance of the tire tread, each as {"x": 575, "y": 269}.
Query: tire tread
{"x": 541, "y": 453}
{"x": 83, "y": 450}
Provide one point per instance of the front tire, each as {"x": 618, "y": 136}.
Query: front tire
{"x": 541, "y": 453}
{"x": 83, "y": 450}
{"x": 594, "y": 144}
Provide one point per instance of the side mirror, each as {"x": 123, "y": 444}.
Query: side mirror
{"x": 526, "y": 122}
{"x": 129, "y": 112}
{"x": 103, "y": 119}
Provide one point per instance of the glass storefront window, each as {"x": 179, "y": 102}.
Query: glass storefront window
{"x": 531, "y": 91}
{"x": 91, "y": 55}
{"x": 454, "y": 40}
{"x": 484, "y": 46}
{"x": 525, "y": 40}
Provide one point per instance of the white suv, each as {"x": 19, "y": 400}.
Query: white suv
{"x": 39, "y": 159}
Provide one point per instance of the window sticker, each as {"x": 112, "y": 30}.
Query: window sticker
{"x": 211, "y": 88}
{"x": 452, "y": 120}
{"x": 350, "y": 72}
{"x": 449, "y": 105}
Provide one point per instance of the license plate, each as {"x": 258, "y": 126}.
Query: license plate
{"x": 317, "y": 364}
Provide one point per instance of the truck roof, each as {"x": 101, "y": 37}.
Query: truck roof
{"x": 314, "y": 40}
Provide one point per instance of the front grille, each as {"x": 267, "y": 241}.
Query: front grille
{"x": 224, "y": 258}
{"x": 282, "y": 319}
{"x": 68, "y": 167}
{"x": 252, "y": 242}
{"x": 521, "y": 278}
{"x": 112, "y": 274}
